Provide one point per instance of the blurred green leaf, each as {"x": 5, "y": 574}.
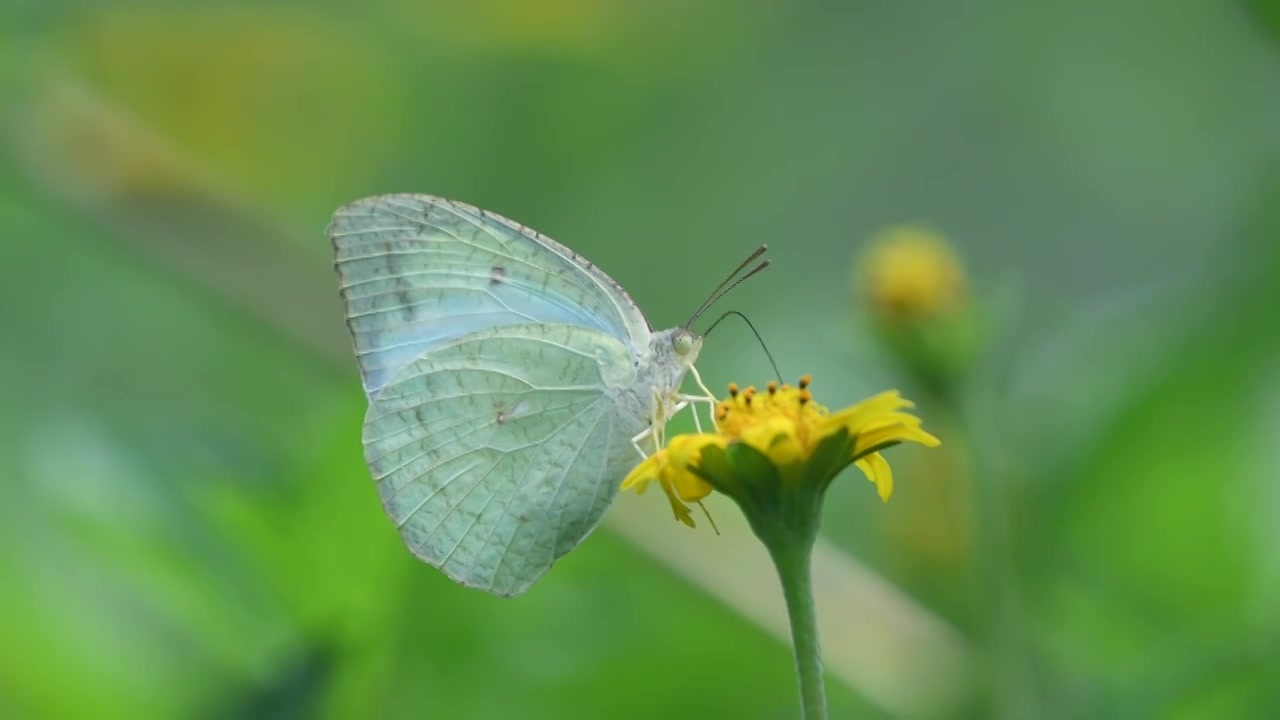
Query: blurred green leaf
{"x": 1266, "y": 13}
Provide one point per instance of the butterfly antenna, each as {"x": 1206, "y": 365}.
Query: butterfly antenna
{"x": 721, "y": 289}
{"x": 755, "y": 332}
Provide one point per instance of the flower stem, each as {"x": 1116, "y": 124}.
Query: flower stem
{"x": 792, "y": 557}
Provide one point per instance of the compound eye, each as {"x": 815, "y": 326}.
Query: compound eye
{"x": 682, "y": 342}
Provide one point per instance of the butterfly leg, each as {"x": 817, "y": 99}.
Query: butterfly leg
{"x": 692, "y": 402}
{"x": 706, "y": 397}
{"x": 652, "y": 431}
{"x": 635, "y": 443}
{"x": 682, "y": 402}
{"x": 706, "y": 394}
{"x": 661, "y": 414}
{"x": 695, "y": 401}
{"x": 656, "y": 429}
{"x": 697, "y": 421}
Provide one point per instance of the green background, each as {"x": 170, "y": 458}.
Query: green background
{"x": 186, "y": 525}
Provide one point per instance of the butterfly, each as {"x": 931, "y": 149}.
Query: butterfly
{"x": 510, "y": 383}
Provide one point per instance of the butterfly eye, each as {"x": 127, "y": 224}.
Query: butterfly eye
{"x": 682, "y": 342}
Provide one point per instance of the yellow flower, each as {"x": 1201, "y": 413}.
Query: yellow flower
{"x": 910, "y": 273}
{"x": 802, "y": 444}
{"x": 916, "y": 292}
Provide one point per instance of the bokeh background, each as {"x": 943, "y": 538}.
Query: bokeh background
{"x": 186, "y": 525}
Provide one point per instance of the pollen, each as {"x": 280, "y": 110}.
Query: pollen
{"x": 805, "y": 381}
{"x": 733, "y": 390}
{"x": 773, "y": 387}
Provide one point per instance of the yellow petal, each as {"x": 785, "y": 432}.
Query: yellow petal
{"x": 679, "y": 509}
{"x": 786, "y": 449}
{"x": 686, "y": 449}
{"x": 874, "y": 406}
{"x": 686, "y": 452}
{"x": 670, "y": 467}
{"x": 875, "y": 411}
{"x": 643, "y": 474}
{"x": 876, "y": 468}
{"x": 761, "y": 435}
{"x": 893, "y": 433}
{"x": 689, "y": 487}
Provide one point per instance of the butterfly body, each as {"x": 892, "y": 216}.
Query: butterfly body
{"x": 507, "y": 378}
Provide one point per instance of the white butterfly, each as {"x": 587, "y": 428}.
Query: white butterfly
{"x": 510, "y": 382}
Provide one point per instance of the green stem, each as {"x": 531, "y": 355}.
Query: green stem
{"x": 792, "y": 557}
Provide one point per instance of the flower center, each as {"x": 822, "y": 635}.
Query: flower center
{"x": 761, "y": 417}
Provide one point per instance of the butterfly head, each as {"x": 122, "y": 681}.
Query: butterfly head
{"x": 675, "y": 349}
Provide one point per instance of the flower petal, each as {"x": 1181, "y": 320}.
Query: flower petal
{"x": 776, "y": 438}
{"x": 875, "y": 411}
{"x": 877, "y": 470}
{"x": 689, "y": 487}
{"x": 679, "y": 509}
{"x": 643, "y": 474}
{"x": 685, "y": 449}
{"x": 878, "y": 437}
{"x": 867, "y": 410}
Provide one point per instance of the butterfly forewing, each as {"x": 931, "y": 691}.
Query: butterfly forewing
{"x": 417, "y": 271}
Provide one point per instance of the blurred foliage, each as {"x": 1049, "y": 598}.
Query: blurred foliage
{"x": 1267, "y": 15}
{"x": 187, "y": 528}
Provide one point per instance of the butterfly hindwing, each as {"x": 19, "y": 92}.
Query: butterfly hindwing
{"x": 498, "y": 452}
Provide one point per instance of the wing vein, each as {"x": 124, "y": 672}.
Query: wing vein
{"x": 525, "y": 557}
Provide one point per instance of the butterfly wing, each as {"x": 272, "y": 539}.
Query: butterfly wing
{"x": 498, "y": 452}
{"x": 417, "y": 271}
